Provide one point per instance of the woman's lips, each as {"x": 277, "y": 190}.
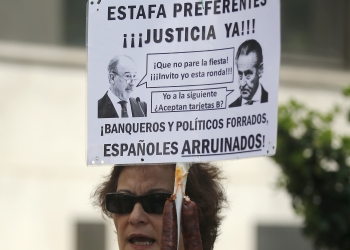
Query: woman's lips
{"x": 140, "y": 240}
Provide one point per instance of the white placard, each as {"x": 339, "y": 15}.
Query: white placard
{"x": 200, "y": 80}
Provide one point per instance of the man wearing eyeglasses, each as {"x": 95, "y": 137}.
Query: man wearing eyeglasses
{"x": 117, "y": 103}
{"x": 250, "y": 67}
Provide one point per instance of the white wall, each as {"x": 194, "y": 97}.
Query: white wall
{"x": 35, "y": 21}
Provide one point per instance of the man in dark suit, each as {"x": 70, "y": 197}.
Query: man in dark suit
{"x": 250, "y": 67}
{"x": 117, "y": 102}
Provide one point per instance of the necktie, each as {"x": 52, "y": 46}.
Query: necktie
{"x": 124, "y": 110}
{"x": 250, "y": 102}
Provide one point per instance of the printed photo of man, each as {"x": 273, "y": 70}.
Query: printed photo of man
{"x": 117, "y": 103}
{"x": 250, "y": 67}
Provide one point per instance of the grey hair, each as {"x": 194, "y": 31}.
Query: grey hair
{"x": 113, "y": 63}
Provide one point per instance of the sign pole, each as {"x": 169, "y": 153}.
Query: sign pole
{"x": 181, "y": 173}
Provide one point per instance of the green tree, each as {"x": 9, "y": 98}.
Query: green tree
{"x": 315, "y": 162}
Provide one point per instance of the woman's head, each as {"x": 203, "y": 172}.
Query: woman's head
{"x": 141, "y": 228}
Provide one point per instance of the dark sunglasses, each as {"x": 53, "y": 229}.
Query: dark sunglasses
{"x": 124, "y": 203}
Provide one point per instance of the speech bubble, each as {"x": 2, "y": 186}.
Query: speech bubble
{"x": 189, "y": 100}
{"x": 194, "y": 68}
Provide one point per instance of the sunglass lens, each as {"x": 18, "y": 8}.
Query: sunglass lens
{"x": 119, "y": 203}
{"x": 154, "y": 203}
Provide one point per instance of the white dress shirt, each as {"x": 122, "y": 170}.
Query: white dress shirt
{"x": 115, "y": 100}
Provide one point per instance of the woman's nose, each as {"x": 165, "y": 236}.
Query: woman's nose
{"x": 138, "y": 215}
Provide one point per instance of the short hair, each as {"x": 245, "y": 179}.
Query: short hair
{"x": 203, "y": 187}
{"x": 248, "y": 47}
{"x": 113, "y": 63}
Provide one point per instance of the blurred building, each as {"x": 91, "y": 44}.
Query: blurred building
{"x": 45, "y": 184}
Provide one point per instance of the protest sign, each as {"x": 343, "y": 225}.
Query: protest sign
{"x": 180, "y": 81}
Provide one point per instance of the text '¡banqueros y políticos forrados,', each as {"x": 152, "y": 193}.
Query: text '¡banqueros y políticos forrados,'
{"x": 183, "y": 126}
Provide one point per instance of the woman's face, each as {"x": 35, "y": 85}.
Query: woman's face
{"x": 140, "y": 230}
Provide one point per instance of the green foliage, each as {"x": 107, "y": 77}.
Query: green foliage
{"x": 346, "y": 92}
{"x": 315, "y": 164}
